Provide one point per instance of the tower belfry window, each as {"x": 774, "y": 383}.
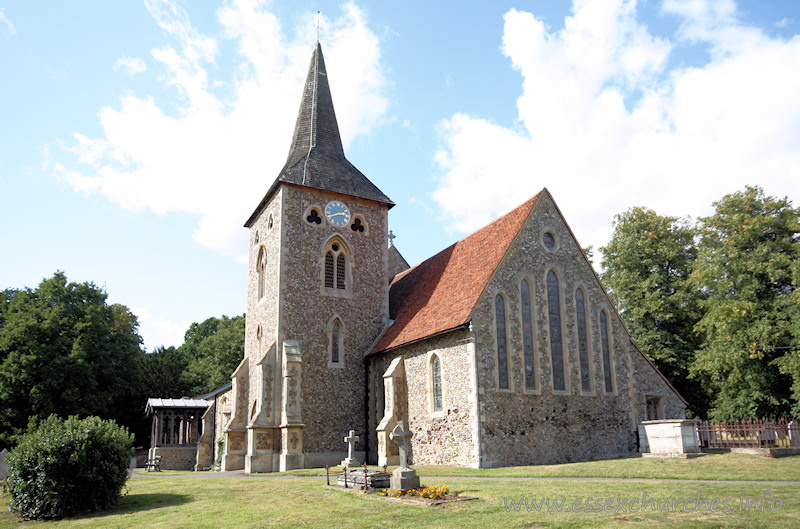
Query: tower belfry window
{"x": 336, "y": 268}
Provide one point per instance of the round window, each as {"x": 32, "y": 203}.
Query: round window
{"x": 548, "y": 240}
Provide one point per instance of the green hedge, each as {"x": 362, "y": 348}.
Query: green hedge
{"x": 67, "y": 467}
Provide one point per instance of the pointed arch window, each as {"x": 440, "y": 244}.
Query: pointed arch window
{"x": 583, "y": 346}
{"x": 436, "y": 383}
{"x": 502, "y": 343}
{"x": 609, "y": 380}
{"x": 261, "y": 272}
{"x": 527, "y": 334}
{"x": 335, "y": 348}
{"x": 336, "y": 273}
{"x": 556, "y": 343}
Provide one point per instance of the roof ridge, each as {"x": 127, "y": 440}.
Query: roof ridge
{"x": 439, "y": 294}
{"x": 533, "y": 199}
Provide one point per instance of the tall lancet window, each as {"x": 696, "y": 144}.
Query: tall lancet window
{"x": 436, "y": 383}
{"x": 336, "y": 342}
{"x": 556, "y": 343}
{"x": 527, "y": 335}
{"x": 502, "y": 343}
{"x": 609, "y": 380}
{"x": 261, "y": 272}
{"x": 583, "y": 346}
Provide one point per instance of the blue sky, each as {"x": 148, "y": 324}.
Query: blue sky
{"x": 138, "y": 137}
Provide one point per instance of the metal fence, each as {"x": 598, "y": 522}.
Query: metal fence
{"x": 749, "y": 434}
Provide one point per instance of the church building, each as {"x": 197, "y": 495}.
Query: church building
{"x": 503, "y": 349}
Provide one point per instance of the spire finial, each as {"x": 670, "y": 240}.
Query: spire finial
{"x": 392, "y": 237}
{"x": 319, "y": 23}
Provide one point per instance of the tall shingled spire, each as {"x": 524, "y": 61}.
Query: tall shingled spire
{"x": 316, "y": 156}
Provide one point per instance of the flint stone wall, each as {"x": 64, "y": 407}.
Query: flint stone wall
{"x": 523, "y": 426}
{"x": 648, "y": 383}
{"x": 440, "y": 438}
{"x": 178, "y": 457}
{"x": 332, "y": 399}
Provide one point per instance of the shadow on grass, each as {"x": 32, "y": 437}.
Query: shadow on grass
{"x": 138, "y": 503}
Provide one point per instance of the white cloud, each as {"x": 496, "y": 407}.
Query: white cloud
{"x": 159, "y": 329}
{"x": 782, "y": 23}
{"x": 9, "y": 26}
{"x": 222, "y": 145}
{"x": 606, "y": 126}
{"x": 132, "y": 65}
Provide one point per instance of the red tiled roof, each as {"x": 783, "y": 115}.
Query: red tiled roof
{"x": 438, "y": 295}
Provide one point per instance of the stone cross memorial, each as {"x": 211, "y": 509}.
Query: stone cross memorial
{"x": 403, "y": 478}
{"x": 351, "y": 461}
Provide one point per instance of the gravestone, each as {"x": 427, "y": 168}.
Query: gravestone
{"x": 351, "y": 461}
{"x": 794, "y": 433}
{"x": 3, "y": 465}
{"x": 403, "y": 478}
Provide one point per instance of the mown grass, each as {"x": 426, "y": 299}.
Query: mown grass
{"x": 713, "y": 466}
{"x": 190, "y": 502}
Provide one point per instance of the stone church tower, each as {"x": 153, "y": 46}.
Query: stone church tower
{"x": 317, "y": 298}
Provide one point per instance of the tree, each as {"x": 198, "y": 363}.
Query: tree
{"x": 165, "y": 373}
{"x": 64, "y": 351}
{"x": 746, "y": 255}
{"x": 647, "y": 264}
{"x": 789, "y": 364}
{"x": 213, "y": 349}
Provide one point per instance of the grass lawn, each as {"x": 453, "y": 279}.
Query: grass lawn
{"x": 188, "y": 502}
{"x": 717, "y": 465}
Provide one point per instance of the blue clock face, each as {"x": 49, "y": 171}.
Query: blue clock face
{"x": 337, "y": 214}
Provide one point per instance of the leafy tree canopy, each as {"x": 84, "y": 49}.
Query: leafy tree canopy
{"x": 746, "y": 268}
{"x": 213, "y": 349}
{"x": 65, "y": 351}
{"x": 647, "y": 264}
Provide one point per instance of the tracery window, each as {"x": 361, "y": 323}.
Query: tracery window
{"x": 583, "y": 346}
{"x": 336, "y": 264}
{"x": 556, "y": 342}
{"x": 606, "y": 352}
{"x": 502, "y": 343}
{"x": 527, "y": 335}
{"x": 436, "y": 382}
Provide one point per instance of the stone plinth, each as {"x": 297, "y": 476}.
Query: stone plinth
{"x": 669, "y": 437}
{"x": 404, "y": 479}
